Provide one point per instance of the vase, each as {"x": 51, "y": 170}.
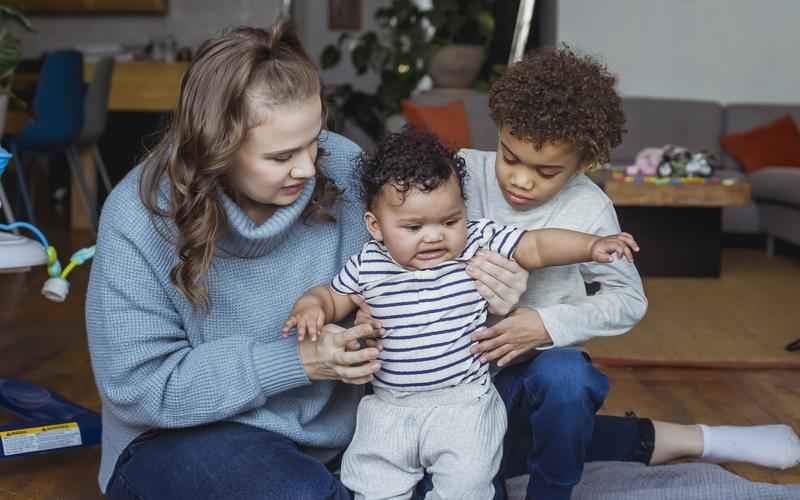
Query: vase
{"x": 456, "y": 66}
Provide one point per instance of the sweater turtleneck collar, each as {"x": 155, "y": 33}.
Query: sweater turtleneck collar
{"x": 246, "y": 239}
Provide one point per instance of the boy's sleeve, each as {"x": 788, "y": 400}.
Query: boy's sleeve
{"x": 496, "y": 237}
{"x": 347, "y": 281}
{"x": 613, "y": 310}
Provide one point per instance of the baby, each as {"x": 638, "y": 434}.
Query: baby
{"x": 434, "y": 408}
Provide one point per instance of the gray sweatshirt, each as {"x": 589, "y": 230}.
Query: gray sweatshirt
{"x": 558, "y": 293}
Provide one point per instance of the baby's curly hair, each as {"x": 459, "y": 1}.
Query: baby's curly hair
{"x": 556, "y": 96}
{"x": 412, "y": 158}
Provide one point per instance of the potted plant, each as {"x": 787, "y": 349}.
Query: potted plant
{"x": 10, "y": 55}
{"x": 447, "y": 41}
{"x": 398, "y": 53}
{"x": 463, "y": 30}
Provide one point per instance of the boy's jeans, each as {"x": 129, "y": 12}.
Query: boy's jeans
{"x": 551, "y": 403}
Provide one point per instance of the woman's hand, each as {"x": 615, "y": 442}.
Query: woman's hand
{"x": 364, "y": 315}
{"x": 500, "y": 281}
{"x": 516, "y": 335}
{"x": 331, "y": 357}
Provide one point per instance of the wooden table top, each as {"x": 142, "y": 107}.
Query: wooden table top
{"x": 648, "y": 194}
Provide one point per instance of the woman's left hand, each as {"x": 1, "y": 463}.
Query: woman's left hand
{"x": 500, "y": 281}
{"x": 516, "y": 335}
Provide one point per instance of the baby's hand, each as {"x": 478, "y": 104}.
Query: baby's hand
{"x": 307, "y": 315}
{"x": 608, "y": 248}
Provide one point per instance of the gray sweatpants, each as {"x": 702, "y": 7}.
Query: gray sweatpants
{"x": 455, "y": 434}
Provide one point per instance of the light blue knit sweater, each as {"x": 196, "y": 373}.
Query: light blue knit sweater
{"x": 158, "y": 364}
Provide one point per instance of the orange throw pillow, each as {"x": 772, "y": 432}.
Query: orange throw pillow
{"x": 776, "y": 144}
{"x": 448, "y": 122}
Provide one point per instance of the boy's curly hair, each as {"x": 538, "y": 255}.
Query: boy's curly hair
{"x": 555, "y": 96}
{"x": 412, "y": 158}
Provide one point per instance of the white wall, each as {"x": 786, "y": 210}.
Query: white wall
{"x": 190, "y": 21}
{"x": 726, "y": 50}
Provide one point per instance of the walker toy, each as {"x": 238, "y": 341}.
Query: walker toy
{"x": 50, "y": 422}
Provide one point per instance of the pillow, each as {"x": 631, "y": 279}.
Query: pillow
{"x": 776, "y": 144}
{"x": 448, "y": 122}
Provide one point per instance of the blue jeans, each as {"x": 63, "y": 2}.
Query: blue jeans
{"x": 551, "y": 402}
{"x": 220, "y": 461}
{"x": 557, "y": 394}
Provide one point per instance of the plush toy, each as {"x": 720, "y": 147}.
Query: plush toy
{"x": 673, "y": 161}
{"x": 646, "y": 162}
{"x": 700, "y": 165}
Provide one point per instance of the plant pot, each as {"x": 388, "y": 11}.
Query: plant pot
{"x": 456, "y": 66}
{"x": 3, "y": 109}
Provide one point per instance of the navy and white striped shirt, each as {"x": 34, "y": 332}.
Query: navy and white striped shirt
{"x": 428, "y": 314}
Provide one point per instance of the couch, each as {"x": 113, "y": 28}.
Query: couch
{"x": 694, "y": 124}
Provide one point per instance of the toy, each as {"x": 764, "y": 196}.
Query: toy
{"x": 700, "y": 165}
{"x": 646, "y": 163}
{"x": 50, "y": 422}
{"x": 671, "y": 161}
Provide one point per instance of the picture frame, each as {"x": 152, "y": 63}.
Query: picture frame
{"x": 344, "y": 15}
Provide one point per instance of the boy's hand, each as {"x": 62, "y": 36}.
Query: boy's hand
{"x": 499, "y": 280}
{"x": 308, "y": 315}
{"x": 608, "y": 248}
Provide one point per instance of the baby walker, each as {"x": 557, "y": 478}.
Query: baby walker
{"x": 49, "y": 422}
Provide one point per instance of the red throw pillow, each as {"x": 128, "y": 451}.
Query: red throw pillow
{"x": 776, "y": 144}
{"x": 448, "y": 122}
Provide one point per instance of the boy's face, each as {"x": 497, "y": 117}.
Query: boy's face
{"x": 529, "y": 177}
{"x": 420, "y": 229}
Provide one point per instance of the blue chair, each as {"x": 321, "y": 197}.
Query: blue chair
{"x": 57, "y": 122}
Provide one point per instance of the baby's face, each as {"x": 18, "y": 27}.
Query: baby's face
{"x": 420, "y": 229}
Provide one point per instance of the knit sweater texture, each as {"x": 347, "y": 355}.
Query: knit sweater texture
{"x": 159, "y": 363}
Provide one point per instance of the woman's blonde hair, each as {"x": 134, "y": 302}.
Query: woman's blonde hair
{"x": 234, "y": 80}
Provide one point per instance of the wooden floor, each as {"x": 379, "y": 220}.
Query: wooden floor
{"x": 45, "y": 343}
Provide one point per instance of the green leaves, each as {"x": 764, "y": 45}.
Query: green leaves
{"x": 400, "y": 52}
{"x": 9, "y": 47}
{"x": 10, "y": 13}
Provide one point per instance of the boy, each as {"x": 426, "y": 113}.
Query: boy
{"x": 558, "y": 115}
{"x": 434, "y": 409}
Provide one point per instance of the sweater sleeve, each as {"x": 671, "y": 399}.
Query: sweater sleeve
{"x": 613, "y": 310}
{"x": 145, "y": 367}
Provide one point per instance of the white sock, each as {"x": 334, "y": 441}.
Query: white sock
{"x": 775, "y": 446}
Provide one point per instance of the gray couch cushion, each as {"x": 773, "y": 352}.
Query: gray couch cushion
{"x": 695, "y": 125}
{"x": 777, "y": 184}
{"x": 743, "y": 117}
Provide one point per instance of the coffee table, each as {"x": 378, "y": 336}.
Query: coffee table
{"x": 678, "y": 226}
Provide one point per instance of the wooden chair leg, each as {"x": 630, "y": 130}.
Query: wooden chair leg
{"x": 101, "y": 167}
{"x": 73, "y": 159}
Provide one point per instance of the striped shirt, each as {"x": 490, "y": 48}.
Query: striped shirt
{"x": 428, "y": 314}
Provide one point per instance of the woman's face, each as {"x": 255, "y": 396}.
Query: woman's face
{"x": 277, "y": 158}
